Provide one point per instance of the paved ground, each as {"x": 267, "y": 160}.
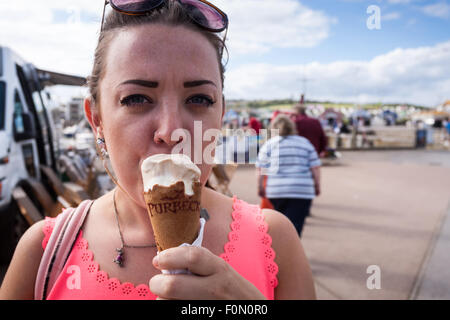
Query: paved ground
{"x": 377, "y": 208}
{"x": 435, "y": 277}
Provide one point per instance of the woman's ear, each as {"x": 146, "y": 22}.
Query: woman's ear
{"x": 92, "y": 115}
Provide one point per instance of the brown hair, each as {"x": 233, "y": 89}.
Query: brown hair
{"x": 300, "y": 109}
{"x": 171, "y": 13}
{"x": 284, "y": 124}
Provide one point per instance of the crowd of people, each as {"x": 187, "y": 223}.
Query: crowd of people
{"x": 301, "y": 143}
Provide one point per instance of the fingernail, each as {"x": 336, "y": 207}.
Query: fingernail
{"x": 156, "y": 261}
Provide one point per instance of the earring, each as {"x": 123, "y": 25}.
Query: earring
{"x": 102, "y": 147}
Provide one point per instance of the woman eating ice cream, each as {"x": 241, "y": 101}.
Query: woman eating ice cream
{"x": 158, "y": 68}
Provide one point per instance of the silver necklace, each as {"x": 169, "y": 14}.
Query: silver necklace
{"x": 119, "y": 260}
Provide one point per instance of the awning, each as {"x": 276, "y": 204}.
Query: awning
{"x": 49, "y": 78}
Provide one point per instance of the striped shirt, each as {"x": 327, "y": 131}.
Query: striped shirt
{"x": 287, "y": 161}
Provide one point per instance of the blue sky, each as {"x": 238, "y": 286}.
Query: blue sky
{"x": 406, "y": 26}
{"x": 273, "y": 44}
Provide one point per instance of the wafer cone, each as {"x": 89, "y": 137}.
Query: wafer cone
{"x": 175, "y": 216}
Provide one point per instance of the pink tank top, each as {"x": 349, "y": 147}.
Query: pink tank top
{"x": 248, "y": 251}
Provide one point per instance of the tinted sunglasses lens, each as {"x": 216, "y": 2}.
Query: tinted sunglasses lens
{"x": 205, "y": 15}
{"x": 135, "y": 6}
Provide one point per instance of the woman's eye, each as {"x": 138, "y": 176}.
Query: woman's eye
{"x": 135, "y": 101}
{"x": 201, "y": 100}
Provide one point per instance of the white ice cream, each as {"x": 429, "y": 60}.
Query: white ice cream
{"x": 167, "y": 169}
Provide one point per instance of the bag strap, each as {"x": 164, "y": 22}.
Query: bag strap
{"x": 64, "y": 234}
{"x": 49, "y": 251}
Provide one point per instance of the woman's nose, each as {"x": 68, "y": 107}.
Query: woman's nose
{"x": 169, "y": 120}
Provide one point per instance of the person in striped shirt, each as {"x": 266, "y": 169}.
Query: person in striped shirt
{"x": 292, "y": 167}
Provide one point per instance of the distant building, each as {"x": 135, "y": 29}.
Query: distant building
{"x": 58, "y": 114}
{"x": 74, "y": 112}
{"x": 446, "y": 106}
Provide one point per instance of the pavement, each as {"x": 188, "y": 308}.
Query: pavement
{"x": 435, "y": 277}
{"x": 387, "y": 210}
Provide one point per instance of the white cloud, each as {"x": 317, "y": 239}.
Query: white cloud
{"x": 52, "y": 35}
{"x": 391, "y": 16}
{"x": 399, "y": 1}
{"x": 61, "y": 35}
{"x": 439, "y": 10}
{"x": 420, "y": 75}
{"x": 257, "y": 26}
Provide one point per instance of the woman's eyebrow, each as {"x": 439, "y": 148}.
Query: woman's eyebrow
{"x": 155, "y": 84}
{"x": 197, "y": 83}
{"x": 144, "y": 83}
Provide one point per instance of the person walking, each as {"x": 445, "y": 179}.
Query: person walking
{"x": 447, "y": 132}
{"x": 311, "y": 129}
{"x": 292, "y": 167}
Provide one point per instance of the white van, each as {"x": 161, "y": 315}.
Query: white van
{"x": 27, "y": 137}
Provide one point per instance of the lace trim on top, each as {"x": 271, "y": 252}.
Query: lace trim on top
{"x": 141, "y": 291}
{"x": 85, "y": 260}
{"x": 264, "y": 239}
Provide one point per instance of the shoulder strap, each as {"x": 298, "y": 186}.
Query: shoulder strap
{"x": 67, "y": 226}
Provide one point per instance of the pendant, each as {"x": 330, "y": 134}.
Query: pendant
{"x": 119, "y": 258}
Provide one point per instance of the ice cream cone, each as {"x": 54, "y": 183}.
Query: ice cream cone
{"x": 174, "y": 215}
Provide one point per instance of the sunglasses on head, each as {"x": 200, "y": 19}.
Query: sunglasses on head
{"x": 203, "y": 13}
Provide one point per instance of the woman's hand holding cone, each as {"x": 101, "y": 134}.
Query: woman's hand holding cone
{"x": 211, "y": 278}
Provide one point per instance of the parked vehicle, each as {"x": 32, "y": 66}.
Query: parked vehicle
{"x": 27, "y": 142}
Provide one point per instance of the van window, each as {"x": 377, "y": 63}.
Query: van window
{"x": 18, "y": 111}
{"x": 42, "y": 117}
{"x": 2, "y": 104}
